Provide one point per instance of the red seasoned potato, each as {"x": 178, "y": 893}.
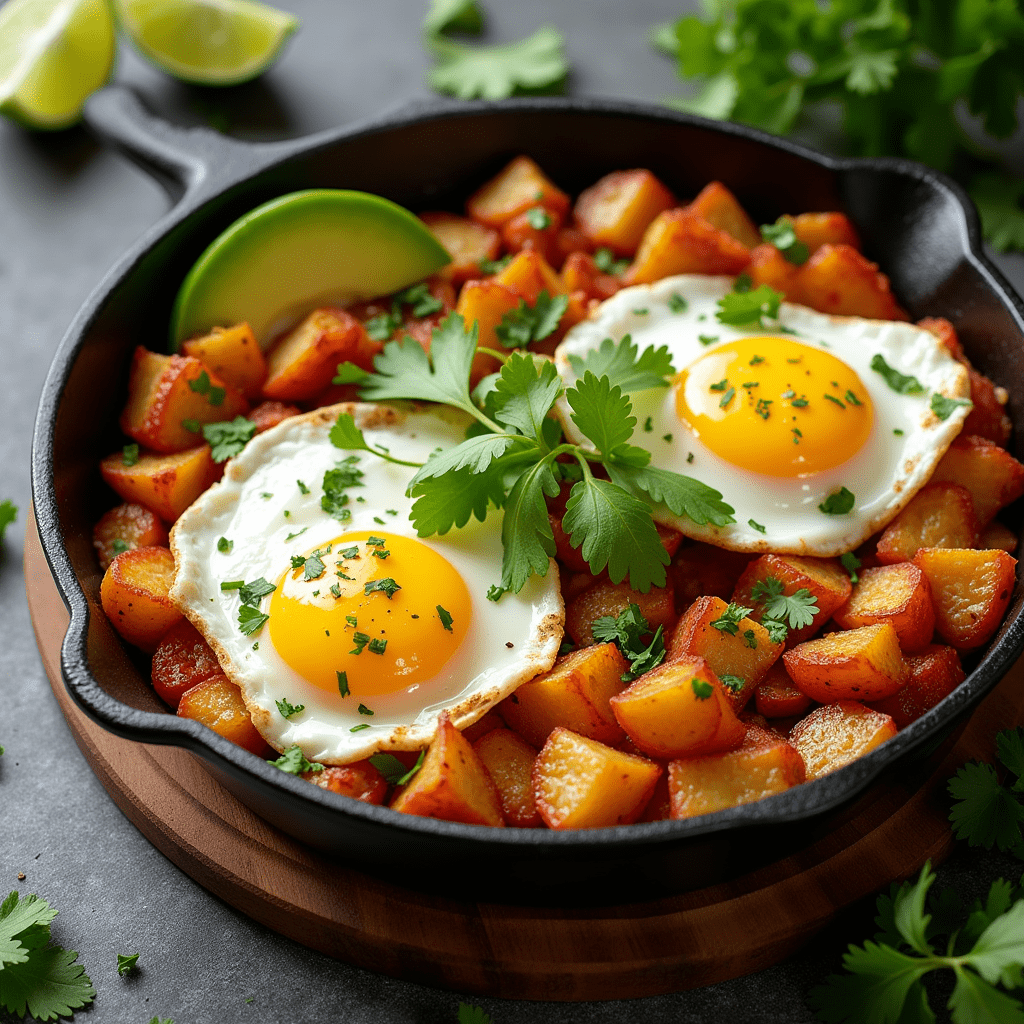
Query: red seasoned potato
{"x": 134, "y": 594}
{"x": 996, "y": 535}
{"x": 486, "y": 303}
{"x": 818, "y": 229}
{"x": 233, "y": 355}
{"x": 897, "y": 594}
{"x": 857, "y": 664}
{"x": 123, "y": 528}
{"x": 992, "y": 475}
{"x": 509, "y": 759}
{"x": 839, "y": 280}
{"x": 935, "y": 672}
{"x": 605, "y": 598}
{"x": 217, "y": 703}
{"x": 580, "y": 783}
{"x": 523, "y": 232}
{"x": 182, "y": 659}
{"x": 768, "y": 266}
{"x": 268, "y": 414}
{"x": 970, "y": 591}
{"x": 718, "y": 206}
{"x": 700, "y": 570}
{"x": 777, "y": 697}
{"x": 835, "y": 735}
{"x": 466, "y": 241}
{"x": 520, "y": 186}
{"x": 940, "y": 515}
{"x": 165, "y": 484}
{"x": 763, "y": 765}
{"x": 987, "y": 417}
{"x": 452, "y": 784}
{"x": 528, "y": 275}
{"x": 359, "y": 780}
{"x": 574, "y": 694}
{"x": 615, "y": 212}
{"x": 581, "y": 273}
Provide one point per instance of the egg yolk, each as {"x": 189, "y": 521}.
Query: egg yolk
{"x": 386, "y": 611}
{"x": 775, "y": 406}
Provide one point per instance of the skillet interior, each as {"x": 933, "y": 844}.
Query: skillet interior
{"x": 914, "y": 223}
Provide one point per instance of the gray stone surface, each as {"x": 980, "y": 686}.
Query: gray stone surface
{"x": 68, "y": 209}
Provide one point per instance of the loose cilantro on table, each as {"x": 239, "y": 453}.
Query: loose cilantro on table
{"x": 288, "y": 709}
{"x": 838, "y": 504}
{"x": 528, "y": 323}
{"x": 988, "y": 812}
{"x": 627, "y": 630}
{"x": 125, "y": 963}
{"x": 797, "y": 609}
{"x": 228, "y": 438}
{"x": 8, "y": 514}
{"x": 472, "y": 1015}
{"x": 783, "y": 237}
{"x": 944, "y": 407}
{"x": 453, "y": 16}
{"x": 393, "y": 770}
{"x": 294, "y": 762}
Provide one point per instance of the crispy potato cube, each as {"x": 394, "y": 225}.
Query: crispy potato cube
{"x": 677, "y": 709}
{"x": 218, "y": 704}
{"x": 482, "y": 726}
{"x": 168, "y": 396}
{"x": 123, "y": 528}
{"x": 452, "y": 784}
{"x": 359, "y": 780}
{"x": 528, "y": 275}
{"x": 134, "y": 594}
{"x": 486, "y": 303}
{"x": 509, "y": 759}
{"x": 825, "y": 578}
{"x": 615, "y": 212}
{"x": 940, "y": 515}
{"x": 580, "y": 783}
{"x": 606, "y": 598}
{"x": 718, "y": 206}
{"x": 522, "y": 233}
{"x": 839, "y": 280}
{"x": 182, "y": 659}
{"x": 741, "y": 650}
{"x": 165, "y": 484}
{"x": 935, "y": 672}
{"x": 856, "y": 664}
{"x": 572, "y": 239}
{"x": 996, "y": 535}
{"x": 897, "y": 594}
{"x": 835, "y": 735}
{"x": 520, "y": 186}
{"x": 768, "y": 266}
{"x": 818, "y": 229}
{"x": 681, "y": 242}
{"x": 970, "y": 591}
{"x": 580, "y": 273}
{"x": 268, "y": 414}
{"x": 988, "y": 416}
{"x": 233, "y": 355}
{"x": 659, "y": 807}
{"x": 702, "y": 569}
{"x": 992, "y": 475}
{"x": 305, "y": 359}
{"x": 763, "y": 765}
{"x": 466, "y": 241}
{"x": 777, "y": 697}
{"x": 574, "y": 693}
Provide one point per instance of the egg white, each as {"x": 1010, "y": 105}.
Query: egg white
{"x": 508, "y": 642}
{"x": 884, "y": 475}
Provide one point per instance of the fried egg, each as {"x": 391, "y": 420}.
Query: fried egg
{"x": 783, "y": 419}
{"x": 371, "y": 629}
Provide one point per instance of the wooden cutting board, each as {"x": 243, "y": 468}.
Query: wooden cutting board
{"x": 611, "y": 952}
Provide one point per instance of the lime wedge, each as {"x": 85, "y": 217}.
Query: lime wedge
{"x": 300, "y": 251}
{"x": 208, "y": 42}
{"x": 53, "y": 54}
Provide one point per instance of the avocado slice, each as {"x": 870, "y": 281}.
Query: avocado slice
{"x": 299, "y": 251}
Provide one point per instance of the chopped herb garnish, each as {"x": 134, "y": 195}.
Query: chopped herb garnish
{"x": 119, "y": 546}
{"x": 538, "y": 218}
{"x": 797, "y": 434}
{"x": 494, "y": 266}
{"x": 852, "y": 398}
{"x": 667, "y": 438}
{"x": 360, "y": 727}
{"x": 641, "y": 312}
{"x": 375, "y": 542}
{"x": 193, "y": 426}
{"x": 303, "y": 489}
{"x": 364, "y": 710}
{"x": 251, "y": 593}
{"x": 224, "y": 545}
{"x": 349, "y": 552}
{"x": 757, "y": 526}
{"x": 789, "y": 394}
{"x": 851, "y": 563}
{"x": 707, "y": 339}
{"x": 360, "y": 640}
{"x": 756, "y": 360}
{"x": 393, "y": 770}
{"x": 750, "y": 639}
{"x": 130, "y": 454}
{"x": 381, "y": 553}
{"x": 720, "y": 386}
{"x": 495, "y": 593}
{"x": 126, "y": 963}
{"x": 287, "y": 708}
{"x": 294, "y": 762}
{"x": 386, "y": 586}
{"x": 446, "y": 618}
{"x": 897, "y": 432}
{"x": 899, "y": 382}
{"x": 729, "y": 620}
{"x": 689, "y": 456}
{"x": 943, "y": 407}
{"x": 783, "y": 237}
{"x": 834, "y": 400}
{"x": 627, "y": 630}
{"x": 838, "y": 504}
{"x": 742, "y": 308}
{"x": 527, "y": 324}
{"x": 798, "y": 403}
{"x": 378, "y": 646}
{"x": 734, "y": 683}
{"x": 266, "y": 495}
{"x": 250, "y": 619}
{"x": 336, "y": 589}
{"x": 228, "y": 438}
{"x": 701, "y": 689}
{"x": 727, "y": 398}
{"x": 378, "y": 520}
{"x": 608, "y": 264}
{"x": 648, "y": 424}
{"x": 762, "y": 408}
{"x": 418, "y": 296}
{"x": 297, "y": 533}
{"x": 677, "y": 303}
{"x": 351, "y": 620}
{"x": 232, "y": 585}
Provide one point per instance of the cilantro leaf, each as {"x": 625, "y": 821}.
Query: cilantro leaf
{"x": 798, "y": 608}
{"x": 527, "y": 324}
{"x": 450, "y": 500}
{"x": 294, "y": 762}
{"x": 393, "y": 770}
{"x": 453, "y": 16}
{"x": 526, "y": 530}
{"x": 251, "y": 593}
{"x": 777, "y": 631}
{"x": 420, "y": 299}
{"x": 999, "y": 952}
{"x": 783, "y": 237}
{"x": 472, "y": 1015}
{"x": 525, "y": 391}
{"x": 228, "y": 438}
{"x": 48, "y": 985}
{"x": 974, "y": 1001}
{"x": 349, "y": 373}
{"x": 683, "y": 495}
{"x": 126, "y": 962}
{"x": 985, "y": 813}
{"x": 496, "y": 72}
{"x": 18, "y": 915}
{"x": 729, "y": 620}
{"x": 1010, "y": 750}
{"x": 601, "y": 411}
{"x": 944, "y": 407}
{"x": 901, "y": 383}
{"x": 840, "y": 503}
{"x": 251, "y": 620}
{"x": 851, "y": 563}
{"x": 741, "y": 309}
{"x": 474, "y": 454}
{"x": 613, "y": 528}
{"x": 446, "y": 618}
{"x": 605, "y": 261}
{"x": 627, "y": 630}
{"x": 624, "y": 368}
{"x": 288, "y": 709}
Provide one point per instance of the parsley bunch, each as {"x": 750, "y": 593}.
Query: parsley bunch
{"x": 511, "y": 457}
{"x": 898, "y": 71}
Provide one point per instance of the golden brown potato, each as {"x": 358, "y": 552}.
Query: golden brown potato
{"x": 778, "y": 697}
{"x": 165, "y": 484}
{"x": 134, "y": 594}
{"x": 700, "y": 570}
{"x": 466, "y": 241}
{"x": 839, "y": 280}
{"x": 486, "y": 303}
{"x": 615, "y": 212}
{"x": 935, "y": 672}
{"x": 898, "y": 594}
{"x": 182, "y": 659}
{"x": 987, "y": 417}
{"x": 940, "y": 515}
{"x": 518, "y": 187}
{"x": 768, "y": 266}
{"x": 233, "y": 355}
{"x": 509, "y": 759}
{"x": 218, "y": 704}
{"x": 123, "y": 528}
{"x": 992, "y": 475}
{"x": 818, "y": 229}
{"x": 359, "y": 781}
{"x": 522, "y": 232}
{"x": 718, "y": 206}
{"x": 528, "y": 275}
{"x": 268, "y": 414}
{"x": 996, "y": 535}
{"x": 605, "y": 598}
{"x": 835, "y": 735}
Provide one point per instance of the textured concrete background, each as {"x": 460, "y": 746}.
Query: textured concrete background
{"x": 68, "y": 208}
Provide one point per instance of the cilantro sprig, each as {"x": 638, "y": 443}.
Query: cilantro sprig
{"x": 626, "y": 367}
{"x": 294, "y": 762}
{"x": 628, "y": 630}
{"x": 797, "y": 609}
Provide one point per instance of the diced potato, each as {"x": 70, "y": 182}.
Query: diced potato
{"x": 218, "y": 704}
{"x": 659, "y": 807}
{"x": 945, "y": 332}
{"x": 825, "y": 578}
{"x": 940, "y": 515}
{"x": 134, "y": 594}
{"x": 818, "y": 229}
{"x": 182, "y": 659}
{"x": 304, "y": 360}
{"x": 777, "y": 697}
{"x": 268, "y": 414}
{"x": 123, "y": 528}
{"x": 520, "y": 186}
{"x": 996, "y": 535}
{"x": 992, "y": 475}
{"x": 856, "y": 664}
{"x": 528, "y": 275}
{"x": 482, "y": 726}
{"x": 835, "y": 735}
{"x": 574, "y": 694}
{"x": 763, "y": 765}
{"x": 718, "y": 206}
{"x": 615, "y": 212}
{"x": 165, "y": 484}
{"x": 970, "y": 591}
{"x": 677, "y": 709}
{"x": 521, "y": 233}
{"x": 452, "y": 784}
{"x": 742, "y": 650}
{"x": 897, "y": 594}
{"x": 606, "y": 598}
{"x": 580, "y": 273}
{"x": 988, "y": 417}
{"x": 935, "y": 672}
{"x": 768, "y": 266}
{"x": 702, "y": 569}
{"x": 509, "y": 759}
{"x": 580, "y": 783}
{"x": 165, "y": 411}
{"x": 681, "y": 242}
{"x": 486, "y": 303}
{"x": 572, "y": 239}
{"x": 839, "y": 280}
{"x": 359, "y": 780}
{"x": 466, "y": 241}
{"x": 233, "y": 355}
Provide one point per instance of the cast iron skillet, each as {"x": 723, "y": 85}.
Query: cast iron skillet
{"x": 917, "y": 224}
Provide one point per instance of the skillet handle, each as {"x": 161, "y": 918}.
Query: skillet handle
{"x": 185, "y": 161}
